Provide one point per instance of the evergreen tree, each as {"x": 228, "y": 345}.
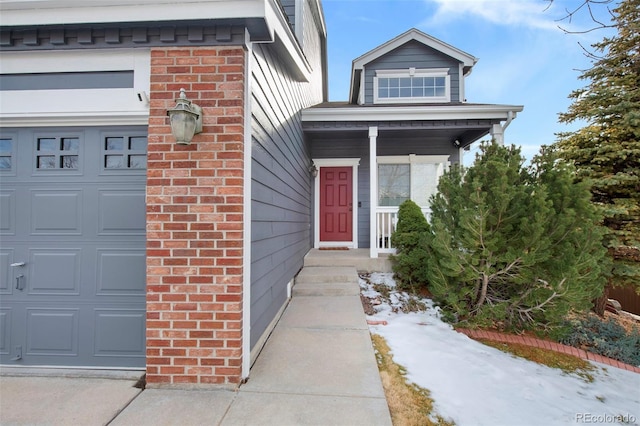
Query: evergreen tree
{"x": 606, "y": 151}
{"x": 513, "y": 245}
{"x": 410, "y": 260}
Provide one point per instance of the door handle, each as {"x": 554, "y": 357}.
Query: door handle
{"x": 20, "y": 282}
{"x": 18, "y": 264}
{"x": 18, "y": 356}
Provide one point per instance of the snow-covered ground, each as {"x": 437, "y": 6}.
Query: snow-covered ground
{"x": 474, "y": 384}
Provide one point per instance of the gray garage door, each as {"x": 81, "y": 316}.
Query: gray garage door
{"x": 72, "y": 252}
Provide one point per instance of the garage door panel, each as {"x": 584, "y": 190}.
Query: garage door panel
{"x": 5, "y": 330}
{"x": 119, "y": 333}
{"x": 122, "y": 212}
{"x": 6, "y": 273}
{"x": 79, "y": 224}
{"x": 52, "y": 332}
{"x": 7, "y": 213}
{"x": 54, "y": 272}
{"x": 121, "y": 272}
{"x": 56, "y": 212}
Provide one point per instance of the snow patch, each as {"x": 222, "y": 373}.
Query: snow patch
{"x": 475, "y": 384}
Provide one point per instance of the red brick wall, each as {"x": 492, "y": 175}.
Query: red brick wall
{"x": 195, "y": 220}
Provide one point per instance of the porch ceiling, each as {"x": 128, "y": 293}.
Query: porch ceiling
{"x": 463, "y": 122}
{"x": 466, "y": 136}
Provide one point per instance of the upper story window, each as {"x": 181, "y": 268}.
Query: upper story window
{"x": 412, "y": 86}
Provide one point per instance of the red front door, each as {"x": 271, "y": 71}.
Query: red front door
{"x": 336, "y": 204}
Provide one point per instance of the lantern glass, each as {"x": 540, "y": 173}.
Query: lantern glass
{"x": 185, "y": 119}
{"x": 183, "y": 125}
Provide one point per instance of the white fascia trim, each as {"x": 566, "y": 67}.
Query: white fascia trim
{"x": 279, "y": 26}
{"x": 246, "y": 214}
{"x": 413, "y": 34}
{"x": 323, "y": 23}
{"x": 381, "y": 113}
{"x": 44, "y": 12}
{"x": 66, "y": 119}
{"x": 335, "y": 162}
{"x": 414, "y": 72}
{"x": 137, "y": 60}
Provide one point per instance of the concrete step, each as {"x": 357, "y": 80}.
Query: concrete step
{"x": 330, "y": 289}
{"x": 327, "y": 281}
{"x": 358, "y": 258}
{"x": 327, "y": 274}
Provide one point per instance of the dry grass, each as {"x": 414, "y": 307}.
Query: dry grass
{"x": 567, "y": 363}
{"x": 408, "y": 403}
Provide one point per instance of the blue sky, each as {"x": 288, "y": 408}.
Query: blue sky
{"x": 524, "y": 58}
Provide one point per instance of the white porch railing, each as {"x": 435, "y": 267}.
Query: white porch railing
{"x": 386, "y": 221}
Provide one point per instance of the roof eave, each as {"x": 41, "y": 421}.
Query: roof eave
{"x": 406, "y": 113}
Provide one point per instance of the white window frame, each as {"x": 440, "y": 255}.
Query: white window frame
{"x": 413, "y": 72}
{"x": 412, "y": 159}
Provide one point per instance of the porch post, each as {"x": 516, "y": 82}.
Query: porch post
{"x": 497, "y": 133}
{"x": 373, "y": 190}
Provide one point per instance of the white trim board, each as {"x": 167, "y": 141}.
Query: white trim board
{"x": 413, "y": 112}
{"x": 77, "y": 106}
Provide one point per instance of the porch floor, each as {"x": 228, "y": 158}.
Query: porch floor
{"x": 358, "y": 258}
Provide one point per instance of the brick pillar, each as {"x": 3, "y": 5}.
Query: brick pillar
{"x": 195, "y": 221}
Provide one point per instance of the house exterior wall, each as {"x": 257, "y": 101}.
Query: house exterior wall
{"x": 198, "y": 210}
{"x": 417, "y": 55}
{"x": 195, "y": 220}
{"x": 281, "y": 183}
{"x": 356, "y": 145}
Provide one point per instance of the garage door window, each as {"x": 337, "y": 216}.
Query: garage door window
{"x": 125, "y": 152}
{"x": 57, "y": 153}
{"x": 6, "y": 154}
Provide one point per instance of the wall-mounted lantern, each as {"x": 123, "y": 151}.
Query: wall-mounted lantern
{"x": 313, "y": 170}
{"x": 185, "y": 118}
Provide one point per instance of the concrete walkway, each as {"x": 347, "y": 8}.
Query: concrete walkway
{"x": 317, "y": 368}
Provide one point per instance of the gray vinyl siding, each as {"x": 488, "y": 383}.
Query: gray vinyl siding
{"x": 417, "y": 55}
{"x": 281, "y": 183}
{"x": 354, "y": 145}
{"x": 308, "y": 35}
{"x": 289, "y": 7}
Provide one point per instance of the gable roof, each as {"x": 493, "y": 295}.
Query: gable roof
{"x": 415, "y": 34}
{"x": 467, "y": 60}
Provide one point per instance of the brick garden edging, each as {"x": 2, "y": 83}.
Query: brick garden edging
{"x": 545, "y": 344}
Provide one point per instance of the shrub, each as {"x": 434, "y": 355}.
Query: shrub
{"x": 511, "y": 245}
{"x": 606, "y": 338}
{"x": 409, "y": 239}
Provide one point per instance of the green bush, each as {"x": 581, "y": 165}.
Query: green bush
{"x": 605, "y": 338}
{"x": 513, "y": 246}
{"x": 409, "y": 239}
